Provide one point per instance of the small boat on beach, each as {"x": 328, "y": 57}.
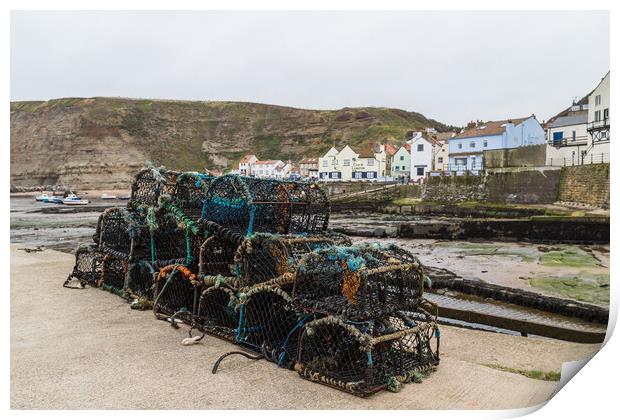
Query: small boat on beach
{"x": 106, "y": 196}
{"x": 124, "y": 197}
{"x": 55, "y": 200}
{"x": 42, "y": 197}
{"x": 74, "y": 200}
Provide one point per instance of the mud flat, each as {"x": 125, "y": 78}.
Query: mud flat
{"x": 87, "y": 349}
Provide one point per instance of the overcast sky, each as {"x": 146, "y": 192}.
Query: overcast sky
{"x": 451, "y": 66}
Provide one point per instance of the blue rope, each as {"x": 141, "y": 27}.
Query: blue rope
{"x": 241, "y": 321}
{"x": 369, "y": 355}
{"x": 251, "y": 224}
{"x": 299, "y": 324}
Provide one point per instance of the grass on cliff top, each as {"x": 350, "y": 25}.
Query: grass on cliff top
{"x": 584, "y": 287}
{"x": 532, "y": 374}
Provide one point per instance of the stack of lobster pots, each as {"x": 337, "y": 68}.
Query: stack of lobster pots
{"x": 252, "y": 261}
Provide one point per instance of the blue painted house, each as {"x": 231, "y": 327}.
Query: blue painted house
{"x": 465, "y": 150}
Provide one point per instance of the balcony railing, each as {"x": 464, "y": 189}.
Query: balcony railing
{"x": 569, "y": 141}
{"x": 599, "y": 125}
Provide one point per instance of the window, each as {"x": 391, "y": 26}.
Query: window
{"x": 485, "y": 144}
{"x": 402, "y": 157}
{"x": 357, "y": 175}
{"x": 606, "y": 113}
{"x": 420, "y": 171}
{"x": 574, "y": 135}
{"x": 460, "y": 145}
{"x": 324, "y": 164}
{"x": 472, "y": 144}
{"x": 473, "y": 162}
{"x": 371, "y": 174}
{"x": 597, "y": 100}
{"x": 597, "y": 115}
{"x": 440, "y": 160}
{"x": 420, "y": 147}
{"x": 346, "y": 162}
{"x": 371, "y": 162}
{"x": 460, "y": 161}
{"x": 396, "y": 168}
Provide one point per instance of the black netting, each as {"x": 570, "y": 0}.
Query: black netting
{"x": 270, "y": 325}
{"x": 148, "y": 186}
{"x": 121, "y": 231}
{"x": 248, "y": 205}
{"x": 216, "y": 313}
{"x": 364, "y": 357}
{"x": 113, "y": 273}
{"x": 176, "y": 292}
{"x": 217, "y": 256}
{"x": 265, "y": 256}
{"x": 188, "y": 193}
{"x": 87, "y": 268}
{"x": 140, "y": 280}
{"x": 358, "y": 282}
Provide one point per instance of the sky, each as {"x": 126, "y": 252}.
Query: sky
{"x": 451, "y": 66}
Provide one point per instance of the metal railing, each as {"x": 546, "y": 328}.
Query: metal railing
{"x": 589, "y": 159}
{"x": 569, "y": 141}
{"x": 599, "y": 125}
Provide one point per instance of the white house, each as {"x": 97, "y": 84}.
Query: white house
{"x": 421, "y": 157}
{"x": 347, "y": 164}
{"x": 401, "y": 163}
{"x": 246, "y": 165}
{"x": 567, "y": 135}
{"x": 267, "y": 168}
{"x": 598, "y": 122}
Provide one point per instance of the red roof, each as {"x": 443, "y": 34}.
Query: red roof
{"x": 488, "y": 128}
{"x": 390, "y": 149}
{"x": 266, "y": 162}
{"x": 247, "y": 158}
{"x": 309, "y": 160}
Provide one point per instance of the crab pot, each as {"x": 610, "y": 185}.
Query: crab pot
{"x": 188, "y": 193}
{"x": 265, "y": 256}
{"x": 248, "y": 205}
{"x": 113, "y": 274}
{"x": 122, "y": 230}
{"x": 216, "y": 313}
{"x": 269, "y": 325}
{"x": 169, "y": 244}
{"x": 148, "y": 186}
{"x": 358, "y": 283}
{"x": 217, "y": 256}
{"x": 363, "y": 358}
{"x": 140, "y": 280}
{"x": 176, "y": 290}
{"x": 88, "y": 261}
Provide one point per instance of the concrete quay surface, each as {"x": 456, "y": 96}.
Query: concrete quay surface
{"x": 86, "y": 349}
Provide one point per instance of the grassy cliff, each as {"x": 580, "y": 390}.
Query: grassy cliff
{"x": 99, "y": 142}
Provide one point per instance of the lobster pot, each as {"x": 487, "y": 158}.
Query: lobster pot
{"x": 113, "y": 274}
{"x": 140, "y": 280}
{"x": 176, "y": 290}
{"x": 358, "y": 283}
{"x": 188, "y": 193}
{"x": 248, "y": 205}
{"x": 265, "y": 256}
{"x": 268, "y": 324}
{"x": 122, "y": 230}
{"x": 363, "y": 358}
{"x": 216, "y": 313}
{"x": 217, "y": 256}
{"x": 148, "y": 185}
{"x": 88, "y": 261}
{"x": 169, "y": 244}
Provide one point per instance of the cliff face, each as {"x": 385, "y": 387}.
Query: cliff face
{"x": 102, "y": 142}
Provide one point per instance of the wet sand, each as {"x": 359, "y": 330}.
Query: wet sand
{"x": 73, "y": 349}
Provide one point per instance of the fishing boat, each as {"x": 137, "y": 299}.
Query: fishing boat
{"x": 74, "y": 200}
{"x": 124, "y": 197}
{"x": 55, "y": 200}
{"x": 42, "y": 197}
{"x": 105, "y": 196}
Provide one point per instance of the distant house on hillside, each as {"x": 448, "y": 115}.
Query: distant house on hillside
{"x": 246, "y": 165}
{"x": 268, "y": 168}
{"x": 598, "y": 122}
{"x": 440, "y": 150}
{"x": 309, "y": 167}
{"x": 466, "y": 148}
